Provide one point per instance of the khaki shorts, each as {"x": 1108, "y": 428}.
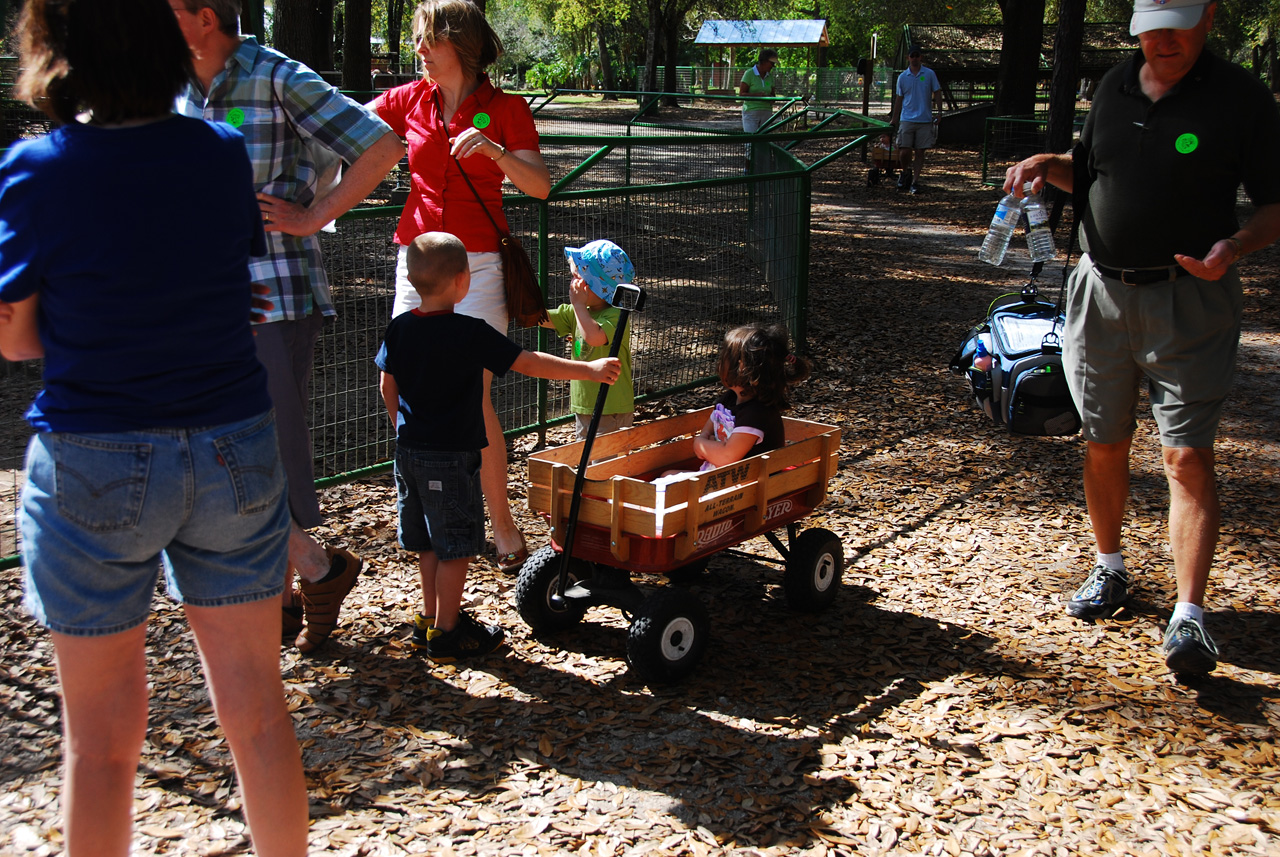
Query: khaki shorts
{"x": 608, "y": 423}
{"x": 917, "y": 135}
{"x": 1182, "y": 336}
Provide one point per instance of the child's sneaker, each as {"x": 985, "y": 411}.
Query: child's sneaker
{"x": 422, "y": 627}
{"x": 1188, "y": 648}
{"x": 468, "y": 639}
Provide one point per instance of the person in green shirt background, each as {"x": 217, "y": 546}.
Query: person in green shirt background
{"x": 591, "y": 321}
{"x": 758, "y": 80}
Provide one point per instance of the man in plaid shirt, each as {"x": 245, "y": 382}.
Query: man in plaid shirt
{"x": 286, "y": 111}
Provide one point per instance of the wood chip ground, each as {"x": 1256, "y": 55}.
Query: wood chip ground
{"x": 944, "y": 706}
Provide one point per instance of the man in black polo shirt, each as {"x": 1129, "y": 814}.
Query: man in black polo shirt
{"x": 1172, "y": 134}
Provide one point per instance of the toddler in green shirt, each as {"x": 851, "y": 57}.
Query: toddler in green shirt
{"x": 591, "y": 321}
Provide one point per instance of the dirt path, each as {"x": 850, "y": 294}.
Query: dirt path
{"x": 945, "y": 705}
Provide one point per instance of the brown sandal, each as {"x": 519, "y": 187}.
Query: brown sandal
{"x": 510, "y": 563}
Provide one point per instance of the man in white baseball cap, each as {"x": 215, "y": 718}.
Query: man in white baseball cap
{"x": 1165, "y": 15}
{"x": 1173, "y": 133}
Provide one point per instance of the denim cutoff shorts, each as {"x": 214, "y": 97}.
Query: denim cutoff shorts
{"x": 439, "y": 503}
{"x": 103, "y": 513}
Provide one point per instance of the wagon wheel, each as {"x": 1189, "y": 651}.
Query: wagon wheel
{"x": 814, "y": 566}
{"x": 535, "y": 585}
{"x": 667, "y": 636}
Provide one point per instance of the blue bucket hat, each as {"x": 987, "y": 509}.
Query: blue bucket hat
{"x": 602, "y": 266}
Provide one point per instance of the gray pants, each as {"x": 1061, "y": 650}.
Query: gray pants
{"x": 287, "y": 350}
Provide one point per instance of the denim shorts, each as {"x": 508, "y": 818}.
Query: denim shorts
{"x": 102, "y": 513}
{"x": 439, "y": 502}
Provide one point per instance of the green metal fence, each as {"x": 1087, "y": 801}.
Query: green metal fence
{"x": 718, "y": 239}
{"x": 1009, "y": 139}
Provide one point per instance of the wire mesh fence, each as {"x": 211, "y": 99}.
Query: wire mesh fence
{"x": 19, "y": 383}
{"x": 718, "y": 239}
{"x": 18, "y": 120}
{"x": 1009, "y": 139}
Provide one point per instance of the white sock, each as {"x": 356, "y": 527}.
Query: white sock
{"x": 1113, "y": 561}
{"x": 1187, "y": 610}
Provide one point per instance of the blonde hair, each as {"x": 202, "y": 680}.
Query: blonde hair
{"x": 433, "y": 260}
{"x": 463, "y": 25}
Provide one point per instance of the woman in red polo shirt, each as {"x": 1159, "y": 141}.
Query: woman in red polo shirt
{"x": 454, "y": 121}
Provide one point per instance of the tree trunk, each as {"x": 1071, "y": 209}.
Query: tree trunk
{"x": 395, "y": 18}
{"x": 357, "y": 57}
{"x": 649, "y": 80}
{"x": 1066, "y": 74}
{"x": 1023, "y": 28}
{"x": 671, "y": 79}
{"x": 303, "y": 30}
{"x": 607, "y": 80}
{"x": 1274, "y": 65}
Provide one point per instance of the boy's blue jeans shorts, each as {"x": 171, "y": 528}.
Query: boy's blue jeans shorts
{"x": 438, "y": 499}
{"x": 102, "y": 513}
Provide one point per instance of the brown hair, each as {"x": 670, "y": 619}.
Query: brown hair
{"x": 463, "y": 25}
{"x": 227, "y": 12}
{"x": 433, "y": 259}
{"x": 758, "y": 359}
{"x": 121, "y": 59}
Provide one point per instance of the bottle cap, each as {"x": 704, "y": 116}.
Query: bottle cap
{"x": 1026, "y": 189}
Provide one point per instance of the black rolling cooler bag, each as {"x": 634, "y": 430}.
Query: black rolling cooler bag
{"x": 1025, "y": 389}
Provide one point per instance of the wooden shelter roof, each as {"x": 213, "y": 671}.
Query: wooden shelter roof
{"x": 972, "y": 51}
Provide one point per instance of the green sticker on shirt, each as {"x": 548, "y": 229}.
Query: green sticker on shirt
{"x": 1187, "y": 143}
{"x": 481, "y": 121}
{"x": 235, "y": 117}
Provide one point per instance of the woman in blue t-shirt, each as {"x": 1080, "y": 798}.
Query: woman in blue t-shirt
{"x": 155, "y": 444}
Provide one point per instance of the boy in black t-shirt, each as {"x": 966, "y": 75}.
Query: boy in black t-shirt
{"x": 432, "y": 363}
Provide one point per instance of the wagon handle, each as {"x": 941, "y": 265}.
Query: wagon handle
{"x": 629, "y": 299}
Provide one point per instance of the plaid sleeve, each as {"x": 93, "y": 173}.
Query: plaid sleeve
{"x": 321, "y": 112}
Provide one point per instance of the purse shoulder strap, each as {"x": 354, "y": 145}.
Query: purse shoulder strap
{"x": 496, "y": 228}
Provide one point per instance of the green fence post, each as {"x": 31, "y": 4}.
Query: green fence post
{"x": 804, "y": 220}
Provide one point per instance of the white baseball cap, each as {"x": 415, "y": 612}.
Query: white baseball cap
{"x": 1165, "y": 15}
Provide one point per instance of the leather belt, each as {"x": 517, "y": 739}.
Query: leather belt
{"x": 1143, "y": 276}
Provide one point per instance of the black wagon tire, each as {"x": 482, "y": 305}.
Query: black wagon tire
{"x": 535, "y": 585}
{"x": 812, "y": 576}
{"x": 668, "y": 636}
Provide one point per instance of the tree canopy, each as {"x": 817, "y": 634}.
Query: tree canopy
{"x": 627, "y": 42}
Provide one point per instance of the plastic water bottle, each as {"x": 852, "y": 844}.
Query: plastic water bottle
{"x": 982, "y": 359}
{"x": 996, "y": 244}
{"x": 1039, "y": 235}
